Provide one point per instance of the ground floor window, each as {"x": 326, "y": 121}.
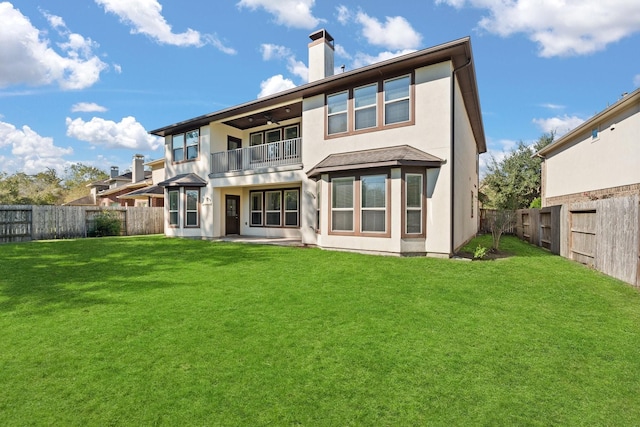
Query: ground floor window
{"x": 186, "y": 204}
{"x": 342, "y": 204}
{"x": 413, "y": 203}
{"x": 174, "y": 197}
{"x": 275, "y": 208}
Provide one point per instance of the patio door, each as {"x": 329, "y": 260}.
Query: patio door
{"x": 232, "y": 214}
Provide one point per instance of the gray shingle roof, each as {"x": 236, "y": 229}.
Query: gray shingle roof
{"x": 184, "y": 180}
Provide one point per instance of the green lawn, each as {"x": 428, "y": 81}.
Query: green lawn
{"x": 155, "y": 331}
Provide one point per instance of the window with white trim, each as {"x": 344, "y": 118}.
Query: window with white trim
{"x": 174, "y": 207}
{"x": 256, "y": 209}
{"x": 373, "y": 203}
{"x": 342, "y": 204}
{"x": 191, "y": 207}
{"x": 365, "y": 101}
{"x": 413, "y": 200}
{"x": 291, "y": 208}
{"x": 337, "y": 112}
{"x": 396, "y": 100}
{"x": 318, "y": 203}
{"x": 273, "y": 206}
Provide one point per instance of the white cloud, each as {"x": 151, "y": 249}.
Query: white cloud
{"x": 117, "y": 68}
{"x": 344, "y": 14}
{"x": 636, "y": 80}
{"x": 394, "y": 33}
{"x": 275, "y": 84}
{"x": 363, "y": 59}
{"x": 551, "y": 106}
{"x": 341, "y": 51}
{"x": 290, "y": 13}
{"x": 497, "y": 150}
{"x": 559, "y": 125}
{"x": 127, "y": 133}
{"x": 273, "y": 51}
{"x": 298, "y": 68}
{"x": 145, "y": 17}
{"x": 87, "y": 107}
{"x": 560, "y": 28}
{"x": 31, "y": 152}
{"x": 25, "y": 58}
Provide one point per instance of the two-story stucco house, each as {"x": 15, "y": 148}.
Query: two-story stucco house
{"x": 380, "y": 159}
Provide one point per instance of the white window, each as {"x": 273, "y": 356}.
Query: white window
{"x": 174, "y": 206}
{"x": 318, "y": 203}
{"x": 256, "y": 209}
{"x": 191, "y": 141}
{"x": 192, "y": 199}
{"x": 177, "y": 146}
{"x": 342, "y": 204}
{"x": 414, "y": 196}
{"x": 291, "y": 208}
{"x": 337, "y": 112}
{"x": 396, "y": 100}
{"x": 373, "y": 203}
{"x": 185, "y": 143}
{"x": 365, "y": 100}
{"x": 273, "y": 205}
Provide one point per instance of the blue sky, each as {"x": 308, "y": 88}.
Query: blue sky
{"x": 85, "y": 80}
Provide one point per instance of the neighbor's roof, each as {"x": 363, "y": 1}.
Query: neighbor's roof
{"x": 621, "y": 104}
{"x": 403, "y": 155}
{"x": 457, "y": 51}
{"x": 184, "y": 180}
{"x": 143, "y": 193}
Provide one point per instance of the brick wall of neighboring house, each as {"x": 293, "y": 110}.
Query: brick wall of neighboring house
{"x": 605, "y": 193}
{"x": 112, "y": 199}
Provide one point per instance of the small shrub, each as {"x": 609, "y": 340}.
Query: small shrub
{"x": 480, "y": 252}
{"x": 536, "y": 203}
{"x": 106, "y": 224}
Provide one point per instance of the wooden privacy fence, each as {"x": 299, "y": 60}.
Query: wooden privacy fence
{"x": 487, "y": 217}
{"x": 603, "y": 234}
{"x": 20, "y": 223}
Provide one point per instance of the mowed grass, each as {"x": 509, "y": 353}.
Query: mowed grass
{"x": 156, "y": 331}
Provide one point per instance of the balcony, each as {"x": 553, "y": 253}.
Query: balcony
{"x": 264, "y": 156}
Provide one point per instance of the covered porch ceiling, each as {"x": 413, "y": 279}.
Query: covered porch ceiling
{"x": 266, "y": 117}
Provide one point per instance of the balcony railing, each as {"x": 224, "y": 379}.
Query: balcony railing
{"x": 280, "y": 153}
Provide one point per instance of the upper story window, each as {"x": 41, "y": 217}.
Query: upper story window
{"x": 396, "y": 100}
{"x": 337, "y": 112}
{"x": 365, "y": 100}
{"x": 370, "y": 107}
{"x": 185, "y": 146}
{"x": 594, "y": 133}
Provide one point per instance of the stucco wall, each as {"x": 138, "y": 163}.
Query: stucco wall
{"x": 608, "y": 161}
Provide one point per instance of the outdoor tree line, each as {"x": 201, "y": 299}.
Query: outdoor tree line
{"x": 47, "y": 187}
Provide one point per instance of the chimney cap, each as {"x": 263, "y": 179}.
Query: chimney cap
{"x": 322, "y": 33}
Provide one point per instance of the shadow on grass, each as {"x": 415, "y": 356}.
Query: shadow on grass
{"x": 49, "y": 275}
{"x": 510, "y": 246}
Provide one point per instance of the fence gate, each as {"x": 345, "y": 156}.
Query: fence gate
{"x": 582, "y": 243}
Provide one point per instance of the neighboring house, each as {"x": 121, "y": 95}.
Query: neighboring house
{"x": 135, "y": 188}
{"x": 598, "y": 159}
{"x": 381, "y": 159}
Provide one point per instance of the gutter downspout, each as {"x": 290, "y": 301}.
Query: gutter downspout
{"x": 452, "y": 156}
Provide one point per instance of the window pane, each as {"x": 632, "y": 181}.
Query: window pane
{"x": 173, "y": 200}
{"x": 173, "y": 218}
{"x": 192, "y": 218}
{"x": 273, "y": 136}
{"x": 256, "y": 201}
{"x": 366, "y": 118}
{"x": 178, "y": 154}
{"x": 373, "y": 191}
{"x": 414, "y": 191}
{"x": 272, "y": 200}
{"x": 192, "y": 137}
{"x": 373, "y": 221}
{"x": 192, "y": 152}
{"x": 291, "y": 200}
{"x": 291, "y": 132}
{"x": 192, "y": 200}
{"x": 342, "y": 195}
{"x": 256, "y": 218}
{"x": 396, "y": 112}
{"x": 365, "y": 95}
{"x": 414, "y": 221}
{"x": 396, "y": 88}
{"x": 337, "y": 103}
{"x": 338, "y": 123}
{"x": 178, "y": 141}
{"x": 342, "y": 221}
{"x": 273, "y": 218}
{"x": 256, "y": 139}
{"x": 291, "y": 219}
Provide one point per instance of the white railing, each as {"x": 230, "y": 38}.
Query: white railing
{"x": 280, "y": 153}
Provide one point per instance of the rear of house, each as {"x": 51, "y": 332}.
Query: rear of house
{"x": 381, "y": 159}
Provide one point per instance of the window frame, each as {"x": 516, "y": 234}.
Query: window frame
{"x": 356, "y": 109}
{"x": 252, "y": 211}
{"x": 262, "y": 194}
{"x": 423, "y": 202}
{"x": 175, "y": 224}
{"x": 187, "y": 211}
{"x": 185, "y": 146}
{"x": 296, "y": 210}
{"x": 352, "y": 209}
{"x": 364, "y": 209}
{"x": 330, "y": 114}
{"x": 407, "y": 98}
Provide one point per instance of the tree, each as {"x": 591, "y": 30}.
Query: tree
{"x": 514, "y": 182}
{"x": 43, "y": 188}
{"x": 76, "y": 178}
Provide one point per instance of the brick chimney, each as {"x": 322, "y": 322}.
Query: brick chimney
{"x": 137, "y": 169}
{"x": 320, "y": 55}
{"x": 114, "y": 171}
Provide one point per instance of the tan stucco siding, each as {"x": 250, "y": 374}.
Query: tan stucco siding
{"x": 586, "y": 164}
